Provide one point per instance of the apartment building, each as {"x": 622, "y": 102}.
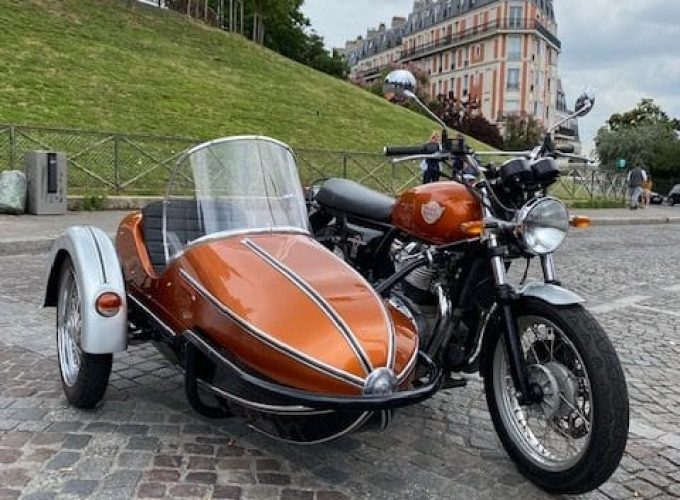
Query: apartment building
{"x": 500, "y": 54}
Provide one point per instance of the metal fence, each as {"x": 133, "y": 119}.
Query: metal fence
{"x": 134, "y": 164}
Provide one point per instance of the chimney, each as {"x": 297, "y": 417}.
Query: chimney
{"x": 398, "y": 21}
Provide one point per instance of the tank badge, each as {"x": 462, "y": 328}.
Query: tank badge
{"x": 432, "y": 212}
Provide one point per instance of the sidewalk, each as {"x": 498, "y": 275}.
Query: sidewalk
{"x": 34, "y": 234}
{"x": 655, "y": 214}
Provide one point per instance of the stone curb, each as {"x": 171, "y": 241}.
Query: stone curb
{"x": 613, "y": 221}
{"x": 42, "y": 245}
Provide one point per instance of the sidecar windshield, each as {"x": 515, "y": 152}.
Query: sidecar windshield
{"x": 230, "y": 186}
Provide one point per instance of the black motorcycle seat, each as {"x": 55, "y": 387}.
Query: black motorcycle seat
{"x": 353, "y": 198}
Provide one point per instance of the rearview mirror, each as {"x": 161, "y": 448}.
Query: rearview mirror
{"x": 584, "y": 105}
{"x": 400, "y": 86}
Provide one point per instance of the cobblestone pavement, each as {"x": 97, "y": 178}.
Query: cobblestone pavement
{"x": 145, "y": 441}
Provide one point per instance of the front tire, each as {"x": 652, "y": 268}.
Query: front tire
{"x": 573, "y": 440}
{"x": 84, "y": 376}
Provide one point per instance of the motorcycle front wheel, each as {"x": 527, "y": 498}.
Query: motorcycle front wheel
{"x": 573, "y": 440}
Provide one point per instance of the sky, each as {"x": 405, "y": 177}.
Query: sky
{"x": 620, "y": 50}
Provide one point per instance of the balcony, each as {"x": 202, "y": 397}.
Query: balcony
{"x": 370, "y": 74}
{"x": 478, "y": 32}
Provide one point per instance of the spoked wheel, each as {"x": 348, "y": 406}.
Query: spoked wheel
{"x": 84, "y": 376}
{"x": 574, "y": 438}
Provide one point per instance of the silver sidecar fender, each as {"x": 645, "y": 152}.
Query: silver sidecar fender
{"x": 552, "y": 294}
{"x": 97, "y": 271}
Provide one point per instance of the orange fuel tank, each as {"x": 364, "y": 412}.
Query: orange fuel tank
{"x": 434, "y": 212}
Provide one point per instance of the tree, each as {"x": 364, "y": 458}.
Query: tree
{"x": 645, "y": 135}
{"x": 653, "y": 145}
{"x": 482, "y": 129}
{"x": 646, "y": 113}
{"x": 522, "y": 132}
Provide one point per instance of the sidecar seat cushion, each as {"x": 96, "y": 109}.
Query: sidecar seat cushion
{"x": 185, "y": 228}
{"x": 353, "y": 198}
{"x": 186, "y": 225}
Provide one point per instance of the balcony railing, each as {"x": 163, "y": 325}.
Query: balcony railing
{"x": 481, "y": 30}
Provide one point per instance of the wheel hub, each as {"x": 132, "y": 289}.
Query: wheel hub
{"x": 557, "y": 386}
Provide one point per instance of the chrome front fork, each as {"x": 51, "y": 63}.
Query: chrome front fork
{"x": 506, "y": 298}
{"x": 549, "y": 271}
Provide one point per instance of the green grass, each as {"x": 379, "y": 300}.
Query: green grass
{"x": 97, "y": 64}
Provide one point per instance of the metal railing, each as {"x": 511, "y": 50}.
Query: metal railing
{"x": 135, "y": 164}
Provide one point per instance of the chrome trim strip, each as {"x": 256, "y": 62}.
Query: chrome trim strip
{"x": 409, "y": 366}
{"x": 293, "y": 411}
{"x": 98, "y": 248}
{"x": 318, "y": 299}
{"x": 252, "y": 404}
{"x": 155, "y": 318}
{"x": 391, "y": 334}
{"x": 357, "y": 423}
{"x": 241, "y": 232}
{"x": 271, "y": 341}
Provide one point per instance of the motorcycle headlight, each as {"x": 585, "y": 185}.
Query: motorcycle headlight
{"x": 543, "y": 225}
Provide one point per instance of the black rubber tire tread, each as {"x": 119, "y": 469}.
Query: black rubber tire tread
{"x": 610, "y": 402}
{"x": 95, "y": 369}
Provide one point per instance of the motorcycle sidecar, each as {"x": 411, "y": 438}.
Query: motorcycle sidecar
{"x": 225, "y": 278}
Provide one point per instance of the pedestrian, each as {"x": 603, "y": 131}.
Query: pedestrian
{"x": 647, "y": 186}
{"x": 431, "y": 169}
{"x": 636, "y": 179}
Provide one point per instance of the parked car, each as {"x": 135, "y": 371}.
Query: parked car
{"x": 674, "y": 195}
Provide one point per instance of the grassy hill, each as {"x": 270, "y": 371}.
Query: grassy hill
{"x": 97, "y": 64}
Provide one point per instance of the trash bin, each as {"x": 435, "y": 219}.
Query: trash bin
{"x": 46, "y": 173}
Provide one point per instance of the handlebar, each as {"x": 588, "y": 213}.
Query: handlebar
{"x": 424, "y": 149}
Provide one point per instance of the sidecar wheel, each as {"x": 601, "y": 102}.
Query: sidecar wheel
{"x": 573, "y": 440}
{"x": 84, "y": 376}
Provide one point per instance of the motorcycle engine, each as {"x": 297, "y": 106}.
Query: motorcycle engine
{"x": 417, "y": 286}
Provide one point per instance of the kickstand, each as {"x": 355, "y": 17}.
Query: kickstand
{"x": 191, "y": 388}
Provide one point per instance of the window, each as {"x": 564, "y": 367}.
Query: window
{"x": 514, "y": 48}
{"x": 511, "y": 105}
{"x": 513, "y": 79}
{"x": 516, "y": 17}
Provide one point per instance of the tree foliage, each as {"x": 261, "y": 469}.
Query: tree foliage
{"x": 645, "y": 135}
{"x": 647, "y": 112}
{"x": 482, "y": 129}
{"x": 522, "y": 132}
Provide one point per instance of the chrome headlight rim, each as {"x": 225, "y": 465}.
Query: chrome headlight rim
{"x": 524, "y": 231}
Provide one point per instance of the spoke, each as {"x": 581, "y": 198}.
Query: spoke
{"x": 533, "y": 350}
{"x": 585, "y": 420}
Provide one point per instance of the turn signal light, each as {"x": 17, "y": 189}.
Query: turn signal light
{"x": 108, "y": 304}
{"x": 472, "y": 229}
{"x": 580, "y": 222}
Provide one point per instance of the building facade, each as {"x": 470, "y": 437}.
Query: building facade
{"x": 501, "y": 55}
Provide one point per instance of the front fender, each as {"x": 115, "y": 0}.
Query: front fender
{"x": 552, "y": 294}
{"x": 97, "y": 271}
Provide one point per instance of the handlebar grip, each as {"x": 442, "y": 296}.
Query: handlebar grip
{"x": 424, "y": 149}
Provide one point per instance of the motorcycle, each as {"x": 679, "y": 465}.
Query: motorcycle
{"x": 308, "y": 343}
{"x": 441, "y": 253}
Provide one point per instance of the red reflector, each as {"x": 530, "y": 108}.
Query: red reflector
{"x": 108, "y": 304}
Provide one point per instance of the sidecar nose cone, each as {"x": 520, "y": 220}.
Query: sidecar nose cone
{"x": 381, "y": 382}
